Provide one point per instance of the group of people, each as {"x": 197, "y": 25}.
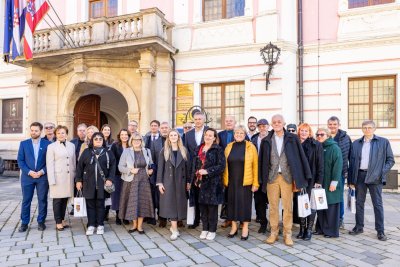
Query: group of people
{"x": 160, "y": 174}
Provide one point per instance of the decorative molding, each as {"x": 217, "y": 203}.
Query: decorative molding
{"x": 344, "y": 11}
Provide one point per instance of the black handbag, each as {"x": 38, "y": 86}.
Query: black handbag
{"x": 108, "y": 188}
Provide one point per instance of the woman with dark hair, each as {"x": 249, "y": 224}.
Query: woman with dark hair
{"x": 208, "y": 168}
{"x": 61, "y": 165}
{"x": 136, "y": 202}
{"x": 117, "y": 148}
{"x": 315, "y": 156}
{"x": 106, "y": 131}
{"x": 96, "y": 168}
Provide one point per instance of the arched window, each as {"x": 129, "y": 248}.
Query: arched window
{"x": 103, "y": 8}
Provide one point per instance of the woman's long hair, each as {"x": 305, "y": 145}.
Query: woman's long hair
{"x": 109, "y": 139}
{"x": 168, "y": 146}
{"x": 95, "y": 130}
{"x": 119, "y": 141}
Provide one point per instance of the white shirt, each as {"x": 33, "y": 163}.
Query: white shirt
{"x": 279, "y": 145}
{"x": 366, "y": 148}
{"x": 198, "y": 135}
{"x": 155, "y": 136}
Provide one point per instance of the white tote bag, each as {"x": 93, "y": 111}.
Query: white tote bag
{"x": 80, "y": 205}
{"x": 351, "y": 200}
{"x": 190, "y": 215}
{"x": 318, "y": 199}
{"x": 303, "y": 204}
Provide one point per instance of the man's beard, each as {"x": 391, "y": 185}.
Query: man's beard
{"x": 34, "y": 136}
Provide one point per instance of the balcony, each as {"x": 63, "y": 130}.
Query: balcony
{"x": 116, "y": 36}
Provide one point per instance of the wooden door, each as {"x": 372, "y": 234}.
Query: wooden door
{"x": 87, "y": 110}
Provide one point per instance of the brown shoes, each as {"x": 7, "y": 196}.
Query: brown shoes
{"x": 272, "y": 239}
{"x": 288, "y": 240}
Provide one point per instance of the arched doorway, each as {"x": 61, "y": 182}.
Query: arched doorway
{"x": 100, "y": 104}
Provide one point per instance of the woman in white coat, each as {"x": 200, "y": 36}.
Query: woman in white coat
{"x": 61, "y": 166}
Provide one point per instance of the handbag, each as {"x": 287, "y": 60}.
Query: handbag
{"x": 318, "y": 199}
{"x": 79, "y": 205}
{"x": 190, "y": 214}
{"x": 303, "y": 204}
{"x": 108, "y": 188}
{"x": 351, "y": 200}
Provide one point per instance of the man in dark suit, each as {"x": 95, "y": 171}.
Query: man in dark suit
{"x": 194, "y": 138}
{"x": 32, "y": 162}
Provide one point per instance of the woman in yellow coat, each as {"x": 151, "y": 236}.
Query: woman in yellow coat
{"x": 241, "y": 180}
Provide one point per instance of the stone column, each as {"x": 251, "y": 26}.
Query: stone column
{"x": 32, "y": 105}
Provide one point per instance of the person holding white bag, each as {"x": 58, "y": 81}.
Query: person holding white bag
{"x": 173, "y": 181}
{"x": 328, "y": 219}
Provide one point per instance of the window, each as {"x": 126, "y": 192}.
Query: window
{"x": 372, "y": 98}
{"x": 224, "y": 99}
{"x": 11, "y": 116}
{"x": 363, "y": 3}
{"x": 103, "y": 8}
{"x": 222, "y": 9}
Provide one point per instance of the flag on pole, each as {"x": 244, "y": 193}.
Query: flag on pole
{"x": 18, "y": 27}
{"x": 8, "y": 29}
{"x": 35, "y": 11}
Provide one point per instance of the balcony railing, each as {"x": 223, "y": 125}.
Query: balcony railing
{"x": 147, "y": 23}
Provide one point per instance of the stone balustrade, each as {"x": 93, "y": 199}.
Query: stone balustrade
{"x": 147, "y": 23}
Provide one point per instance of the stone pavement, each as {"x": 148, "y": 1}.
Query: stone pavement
{"x": 119, "y": 248}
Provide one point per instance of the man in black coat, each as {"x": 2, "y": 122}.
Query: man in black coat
{"x": 193, "y": 139}
{"x": 370, "y": 162}
{"x": 278, "y": 176}
{"x": 260, "y": 198}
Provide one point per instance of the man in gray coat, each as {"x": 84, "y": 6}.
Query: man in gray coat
{"x": 370, "y": 162}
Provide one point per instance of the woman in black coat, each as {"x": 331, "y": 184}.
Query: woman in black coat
{"x": 315, "y": 156}
{"x": 88, "y": 178}
{"x": 209, "y": 165}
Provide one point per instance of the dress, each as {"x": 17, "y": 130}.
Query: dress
{"x": 239, "y": 196}
{"x": 136, "y": 198}
{"x": 117, "y": 149}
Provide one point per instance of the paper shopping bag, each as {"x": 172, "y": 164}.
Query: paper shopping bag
{"x": 318, "y": 199}
{"x": 303, "y": 204}
{"x": 190, "y": 215}
{"x": 80, "y": 205}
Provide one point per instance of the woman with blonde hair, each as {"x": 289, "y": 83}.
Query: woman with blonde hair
{"x": 136, "y": 201}
{"x": 173, "y": 181}
{"x": 89, "y": 133}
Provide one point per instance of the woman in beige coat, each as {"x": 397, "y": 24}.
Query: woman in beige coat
{"x": 61, "y": 165}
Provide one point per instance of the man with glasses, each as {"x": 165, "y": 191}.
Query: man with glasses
{"x": 49, "y": 131}
{"x": 186, "y": 128}
{"x": 132, "y": 126}
{"x": 370, "y": 162}
{"x": 292, "y": 128}
{"x": 344, "y": 142}
{"x": 252, "y": 126}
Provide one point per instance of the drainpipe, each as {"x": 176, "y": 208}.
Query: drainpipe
{"x": 173, "y": 88}
{"x": 300, "y": 53}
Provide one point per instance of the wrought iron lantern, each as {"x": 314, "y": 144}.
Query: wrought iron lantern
{"x": 270, "y": 54}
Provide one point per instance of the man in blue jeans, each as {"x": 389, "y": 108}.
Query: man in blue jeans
{"x": 32, "y": 162}
{"x": 370, "y": 162}
{"x": 344, "y": 142}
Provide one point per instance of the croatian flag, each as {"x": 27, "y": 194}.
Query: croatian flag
{"x": 8, "y": 29}
{"x": 35, "y": 11}
{"x": 18, "y": 27}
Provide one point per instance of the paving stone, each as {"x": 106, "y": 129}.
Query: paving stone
{"x": 276, "y": 251}
{"x": 69, "y": 261}
{"x": 116, "y": 247}
{"x": 221, "y": 260}
{"x": 289, "y": 258}
{"x": 130, "y": 264}
{"x": 154, "y": 253}
{"x": 199, "y": 245}
{"x": 199, "y": 258}
{"x": 277, "y": 260}
{"x": 94, "y": 257}
{"x": 157, "y": 260}
{"x": 136, "y": 257}
{"x": 111, "y": 260}
{"x": 50, "y": 263}
{"x": 181, "y": 263}
{"x": 88, "y": 264}
{"x": 230, "y": 254}
{"x": 244, "y": 262}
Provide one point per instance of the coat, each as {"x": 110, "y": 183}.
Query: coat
{"x": 211, "y": 191}
{"x": 61, "y": 167}
{"x": 26, "y": 160}
{"x": 89, "y": 175}
{"x": 333, "y": 164}
{"x": 173, "y": 175}
{"x": 296, "y": 158}
{"x": 344, "y": 142}
{"x": 127, "y": 162}
{"x": 381, "y": 160}
{"x": 250, "y": 165}
{"x": 315, "y": 156}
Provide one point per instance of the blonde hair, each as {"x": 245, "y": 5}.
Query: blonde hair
{"x": 135, "y": 136}
{"x": 91, "y": 127}
{"x": 168, "y": 146}
{"x": 325, "y": 130}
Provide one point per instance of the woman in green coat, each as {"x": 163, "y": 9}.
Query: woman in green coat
{"x": 328, "y": 220}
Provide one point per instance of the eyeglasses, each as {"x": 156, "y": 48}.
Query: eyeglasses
{"x": 49, "y": 127}
{"x": 98, "y": 139}
{"x": 252, "y": 122}
{"x": 133, "y": 125}
{"x": 137, "y": 139}
{"x": 319, "y": 134}
{"x": 187, "y": 127}
{"x": 291, "y": 130}
{"x": 368, "y": 128}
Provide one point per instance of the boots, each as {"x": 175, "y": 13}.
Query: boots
{"x": 302, "y": 228}
{"x": 117, "y": 219}
{"x": 107, "y": 212}
{"x": 273, "y": 237}
{"x": 310, "y": 224}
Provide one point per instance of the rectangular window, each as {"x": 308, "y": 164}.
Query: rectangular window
{"x": 11, "y": 118}
{"x": 363, "y": 3}
{"x": 224, "y": 99}
{"x": 103, "y": 8}
{"x": 222, "y": 9}
{"x": 372, "y": 98}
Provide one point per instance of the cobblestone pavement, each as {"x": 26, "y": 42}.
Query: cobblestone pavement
{"x": 119, "y": 248}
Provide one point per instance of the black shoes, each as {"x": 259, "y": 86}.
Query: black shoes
{"x": 263, "y": 229}
{"x": 193, "y": 226}
{"x": 232, "y": 235}
{"x": 244, "y": 238}
{"x": 132, "y": 230}
{"x": 23, "y": 228}
{"x": 151, "y": 221}
{"x": 41, "y": 227}
{"x": 141, "y": 232}
{"x": 356, "y": 231}
{"x": 180, "y": 224}
{"x": 162, "y": 223}
{"x": 382, "y": 236}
